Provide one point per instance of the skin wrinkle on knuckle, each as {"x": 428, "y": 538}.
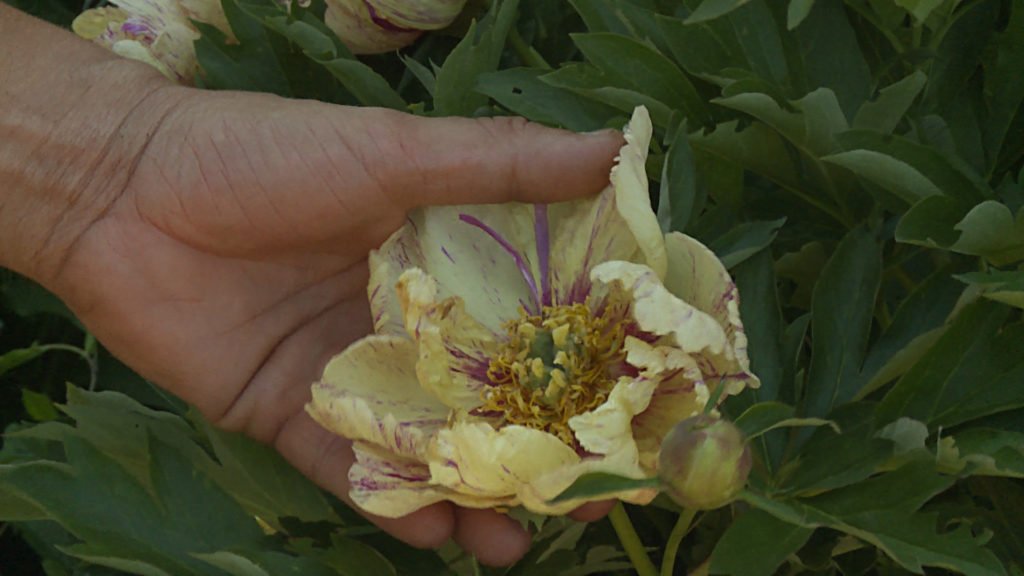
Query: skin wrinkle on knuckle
{"x": 111, "y": 166}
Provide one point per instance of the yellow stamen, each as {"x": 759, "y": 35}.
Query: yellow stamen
{"x": 556, "y": 365}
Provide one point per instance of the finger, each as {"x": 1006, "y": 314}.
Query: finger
{"x": 592, "y": 511}
{"x": 325, "y": 458}
{"x": 487, "y": 160}
{"x": 493, "y": 538}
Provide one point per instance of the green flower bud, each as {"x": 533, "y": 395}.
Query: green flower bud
{"x": 703, "y": 463}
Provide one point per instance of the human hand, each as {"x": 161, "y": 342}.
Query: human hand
{"x": 231, "y": 265}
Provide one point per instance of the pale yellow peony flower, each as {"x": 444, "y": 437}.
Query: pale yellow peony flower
{"x": 157, "y": 32}
{"x": 375, "y": 26}
{"x": 518, "y": 347}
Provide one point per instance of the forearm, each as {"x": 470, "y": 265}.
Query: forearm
{"x": 73, "y": 120}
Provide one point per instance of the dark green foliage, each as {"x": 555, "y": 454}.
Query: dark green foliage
{"x": 859, "y": 167}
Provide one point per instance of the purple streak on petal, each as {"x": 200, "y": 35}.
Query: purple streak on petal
{"x": 449, "y": 256}
{"x": 520, "y": 262}
{"x": 540, "y": 226}
{"x": 382, "y": 22}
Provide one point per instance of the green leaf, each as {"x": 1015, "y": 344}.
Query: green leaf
{"x": 843, "y": 306}
{"x": 633, "y": 65}
{"x": 11, "y": 359}
{"x": 973, "y": 370}
{"x": 989, "y": 229}
{"x": 959, "y": 54}
{"x": 797, "y": 12}
{"x": 601, "y": 483}
{"x": 262, "y": 481}
{"x": 830, "y": 54}
{"x": 745, "y": 240}
{"x": 759, "y": 38}
{"x": 812, "y": 127}
{"x": 39, "y": 406}
{"x": 680, "y": 198}
{"x": 477, "y": 53}
{"x": 893, "y": 175}
{"x": 349, "y": 557}
{"x": 523, "y": 92}
{"x": 319, "y": 45}
{"x": 983, "y": 452}
{"x": 705, "y": 49}
{"x": 1002, "y": 286}
{"x": 1004, "y": 85}
{"x": 831, "y": 460}
{"x": 766, "y": 416}
{"x": 920, "y": 9}
{"x": 919, "y": 321}
{"x": 756, "y": 148}
{"x": 96, "y": 499}
{"x": 885, "y": 112}
{"x": 882, "y": 512}
{"x": 949, "y": 175}
{"x": 755, "y": 544}
{"x": 271, "y": 563}
{"x": 588, "y": 81}
{"x": 251, "y": 63}
{"x": 711, "y": 9}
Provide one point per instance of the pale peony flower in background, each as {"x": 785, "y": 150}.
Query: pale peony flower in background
{"x": 157, "y": 32}
{"x": 375, "y": 26}
{"x": 518, "y": 347}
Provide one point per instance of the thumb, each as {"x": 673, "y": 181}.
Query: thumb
{"x": 489, "y": 160}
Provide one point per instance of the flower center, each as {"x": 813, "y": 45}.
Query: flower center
{"x": 557, "y": 364}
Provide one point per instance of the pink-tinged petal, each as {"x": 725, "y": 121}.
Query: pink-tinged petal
{"x": 697, "y": 276}
{"x": 361, "y": 32}
{"x": 369, "y": 392}
{"x": 454, "y": 350}
{"x": 618, "y": 224}
{"x": 469, "y": 261}
{"x": 389, "y": 485}
{"x": 417, "y": 14}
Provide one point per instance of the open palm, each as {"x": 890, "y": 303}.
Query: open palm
{"x": 233, "y": 264}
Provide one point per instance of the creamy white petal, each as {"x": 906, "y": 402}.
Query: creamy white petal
{"x": 454, "y": 350}
{"x": 369, "y": 392}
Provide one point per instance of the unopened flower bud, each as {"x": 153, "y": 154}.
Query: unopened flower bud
{"x": 375, "y": 26}
{"x": 703, "y": 463}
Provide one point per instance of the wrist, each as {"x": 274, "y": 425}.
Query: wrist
{"x": 74, "y": 119}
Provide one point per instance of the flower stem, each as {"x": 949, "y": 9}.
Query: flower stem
{"x": 674, "y": 539}
{"x": 631, "y": 541}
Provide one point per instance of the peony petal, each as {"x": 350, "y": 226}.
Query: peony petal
{"x": 607, "y": 429}
{"x": 657, "y": 311}
{"x": 352, "y": 21}
{"x": 680, "y": 393}
{"x": 473, "y": 458}
{"x": 537, "y": 495}
{"x": 618, "y": 224}
{"x": 388, "y": 485}
{"x": 369, "y": 392}
{"x": 454, "y": 350}
{"x": 632, "y": 198}
{"x": 209, "y": 12}
{"x": 697, "y": 276}
{"x": 448, "y": 243}
{"x": 418, "y": 14}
